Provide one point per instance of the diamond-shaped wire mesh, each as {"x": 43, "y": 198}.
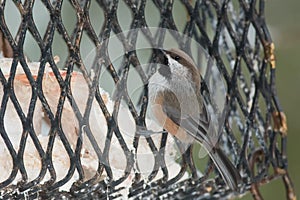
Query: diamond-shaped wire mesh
{"x": 233, "y": 33}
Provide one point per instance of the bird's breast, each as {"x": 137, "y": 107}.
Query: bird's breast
{"x": 182, "y": 90}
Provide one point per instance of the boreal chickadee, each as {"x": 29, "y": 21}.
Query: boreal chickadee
{"x": 177, "y": 105}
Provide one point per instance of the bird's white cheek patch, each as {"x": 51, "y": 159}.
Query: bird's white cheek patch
{"x": 177, "y": 68}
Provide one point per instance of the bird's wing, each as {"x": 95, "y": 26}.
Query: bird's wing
{"x": 203, "y": 127}
{"x": 171, "y": 107}
{"x": 200, "y": 125}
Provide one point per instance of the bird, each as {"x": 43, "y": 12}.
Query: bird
{"x": 176, "y": 103}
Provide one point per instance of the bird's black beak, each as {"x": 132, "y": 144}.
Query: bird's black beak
{"x": 162, "y": 57}
{"x": 164, "y": 68}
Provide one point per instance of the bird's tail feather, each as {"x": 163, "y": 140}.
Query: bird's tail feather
{"x": 227, "y": 170}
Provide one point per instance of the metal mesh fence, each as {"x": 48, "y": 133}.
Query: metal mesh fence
{"x": 233, "y": 33}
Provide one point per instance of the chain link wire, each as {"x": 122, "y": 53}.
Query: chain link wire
{"x": 234, "y": 34}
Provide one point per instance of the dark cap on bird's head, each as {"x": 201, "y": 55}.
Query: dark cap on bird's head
{"x": 181, "y": 57}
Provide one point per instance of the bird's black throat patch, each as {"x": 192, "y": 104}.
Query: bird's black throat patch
{"x": 165, "y": 71}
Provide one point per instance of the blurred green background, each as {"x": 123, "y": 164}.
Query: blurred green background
{"x": 283, "y": 21}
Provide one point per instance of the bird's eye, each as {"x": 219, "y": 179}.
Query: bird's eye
{"x": 177, "y": 58}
